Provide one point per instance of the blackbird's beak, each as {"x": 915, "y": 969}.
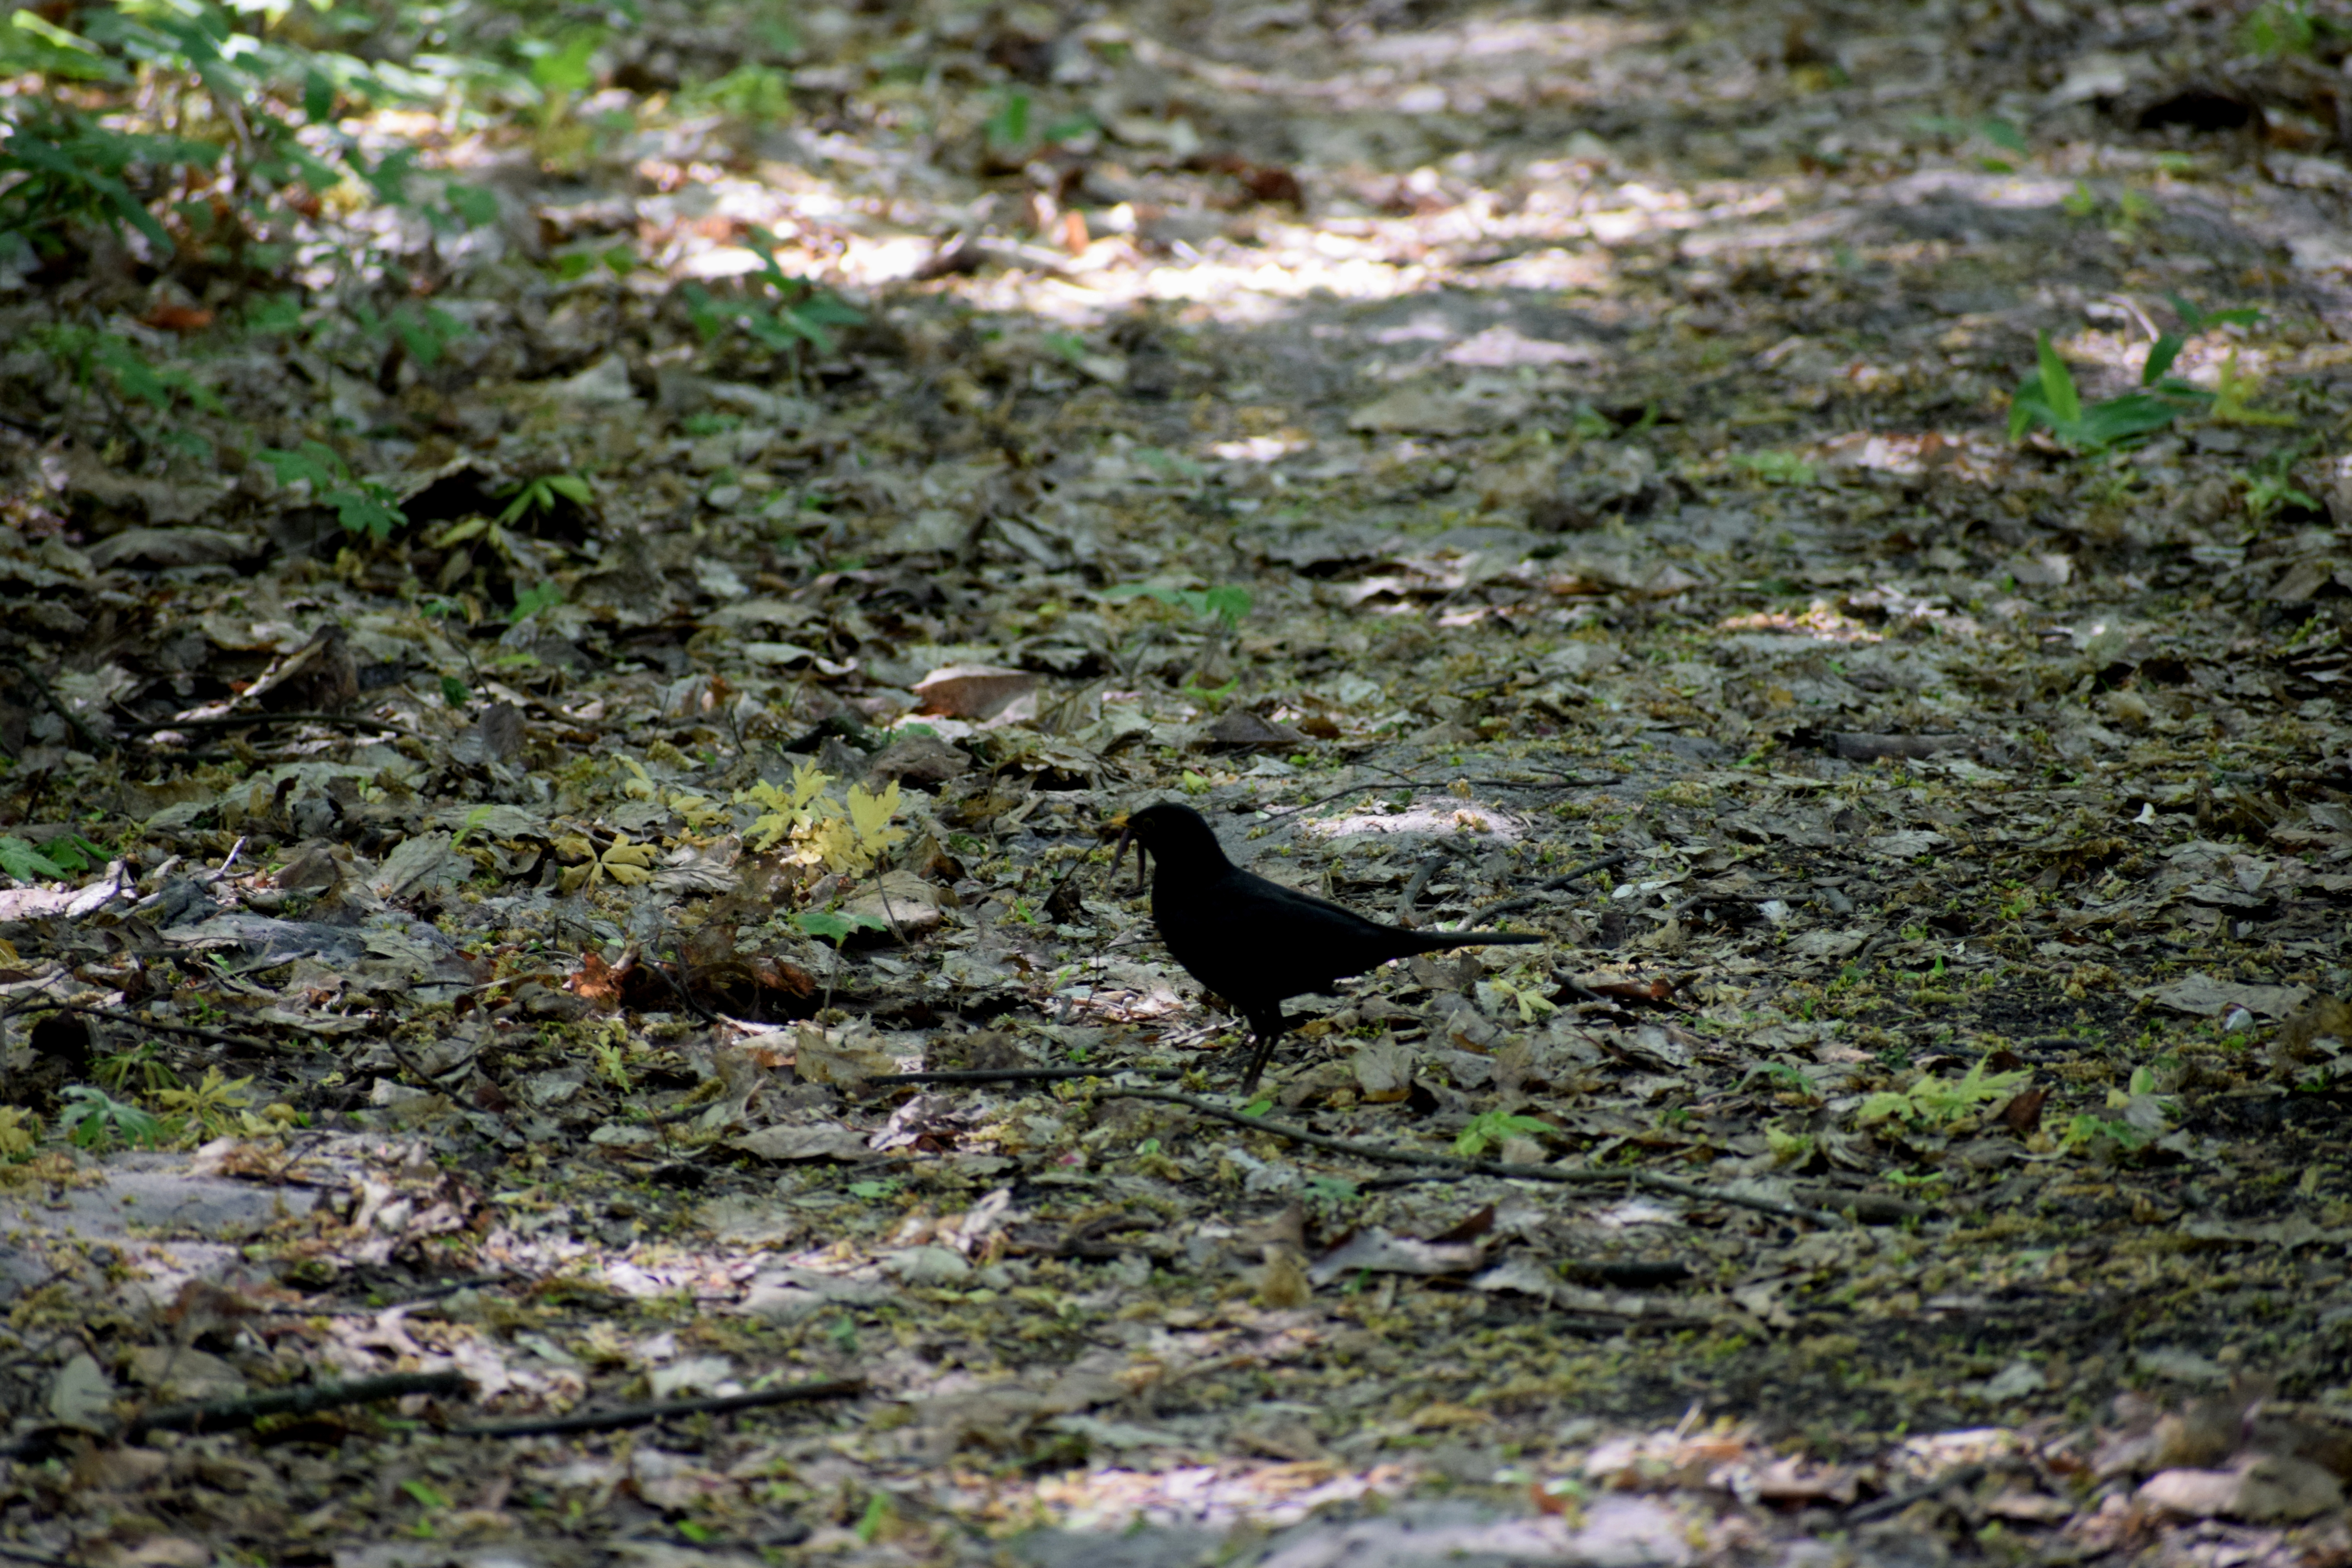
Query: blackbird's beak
{"x": 1119, "y": 854}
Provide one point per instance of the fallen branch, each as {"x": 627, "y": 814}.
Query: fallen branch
{"x": 228, "y": 1415}
{"x": 217, "y": 1415}
{"x": 94, "y": 742}
{"x": 1691, "y": 1190}
{"x": 1015, "y": 1074}
{"x": 645, "y": 1415}
{"x": 1480, "y": 917}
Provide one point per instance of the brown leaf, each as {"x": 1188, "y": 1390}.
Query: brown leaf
{"x": 182, "y": 318}
{"x": 1469, "y": 1229}
{"x": 1240, "y": 726}
{"x": 597, "y": 981}
{"x": 979, "y": 692}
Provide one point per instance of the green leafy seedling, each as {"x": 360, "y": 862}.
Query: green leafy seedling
{"x": 1494, "y": 1127}
{"x": 2050, "y": 398}
{"x": 1228, "y": 603}
{"x": 362, "y": 506}
{"x": 26, "y": 864}
{"x": 1008, "y": 129}
{"x": 835, "y": 926}
{"x": 95, "y": 1119}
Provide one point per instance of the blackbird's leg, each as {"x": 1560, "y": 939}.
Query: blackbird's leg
{"x": 1268, "y": 1027}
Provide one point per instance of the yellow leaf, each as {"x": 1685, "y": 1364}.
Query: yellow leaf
{"x": 835, "y": 842}
{"x": 2230, "y": 391}
{"x": 870, "y": 815}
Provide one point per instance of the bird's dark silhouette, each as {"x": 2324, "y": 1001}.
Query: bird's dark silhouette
{"x": 1255, "y": 942}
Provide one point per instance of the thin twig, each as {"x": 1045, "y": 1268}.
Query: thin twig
{"x": 645, "y": 1415}
{"x": 1420, "y": 879}
{"x": 222, "y": 1414}
{"x": 678, "y": 984}
{"x": 1895, "y": 1502}
{"x": 214, "y": 1414}
{"x": 90, "y": 740}
{"x": 243, "y": 720}
{"x": 1483, "y": 1167}
{"x": 1480, "y": 917}
{"x": 1016, "y": 1075}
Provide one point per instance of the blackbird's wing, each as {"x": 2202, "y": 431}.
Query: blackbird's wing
{"x": 1253, "y": 941}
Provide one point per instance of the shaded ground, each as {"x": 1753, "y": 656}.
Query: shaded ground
{"x": 1448, "y": 447}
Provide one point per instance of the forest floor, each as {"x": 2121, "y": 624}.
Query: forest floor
{"x": 498, "y": 773}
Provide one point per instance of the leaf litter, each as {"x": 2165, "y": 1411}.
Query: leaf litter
{"x": 592, "y": 877}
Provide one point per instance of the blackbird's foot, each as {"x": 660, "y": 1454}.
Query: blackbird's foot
{"x": 1266, "y": 1038}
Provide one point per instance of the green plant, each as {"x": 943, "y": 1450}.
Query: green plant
{"x": 67, "y": 169}
{"x": 116, "y": 1070}
{"x": 2002, "y": 133}
{"x": 1776, "y": 468}
{"x": 2083, "y": 1132}
{"x": 83, "y": 351}
{"x": 800, "y": 313}
{"x": 531, "y": 600}
{"x": 1210, "y": 696}
{"x": 1228, "y": 603}
{"x": 218, "y": 1105}
{"x": 2049, "y": 398}
{"x": 19, "y": 1134}
{"x": 629, "y": 864}
{"x": 2278, "y": 27}
{"x": 751, "y": 91}
{"x": 362, "y": 506}
{"x": 1007, "y": 130}
{"x": 55, "y": 862}
{"x": 540, "y": 496}
{"x": 1494, "y": 1127}
{"x": 474, "y": 818}
{"x": 1935, "y": 1101}
{"x": 851, "y": 835}
{"x": 611, "y": 1054}
{"x": 835, "y": 926}
{"x": 2232, "y": 389}
{"x": 95, "y": 1119}
{"x": 2265, "y": 493}
{"x": 1783, "y": 1078}
{"x": 421, "y": 330}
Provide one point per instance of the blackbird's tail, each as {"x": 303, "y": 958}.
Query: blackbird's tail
{"x": 1438, "y": 941}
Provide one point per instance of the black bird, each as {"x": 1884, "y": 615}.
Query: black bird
{"x": 1254, "y": 942}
